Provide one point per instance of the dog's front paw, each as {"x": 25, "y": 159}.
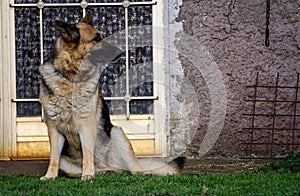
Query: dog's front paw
{"x": 47, "y": 178}
{"x": 86, "y": 177}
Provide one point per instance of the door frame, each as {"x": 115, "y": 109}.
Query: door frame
{"x": 9, "y": 120}
{"x": 7, "y": 108}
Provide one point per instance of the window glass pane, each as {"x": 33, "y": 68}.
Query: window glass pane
{"x": 27, "y": 39}
{"x": 28, "y": 109}
{"x": 109, "y": 20}
{"x": 117, "y": 107}
{"x": 140, "y": 15}
{"x": 141, "y": 107}
{"x": 141, "y": 72}
{"x": 113, "y": 79}
{"x": 141, "y": 58}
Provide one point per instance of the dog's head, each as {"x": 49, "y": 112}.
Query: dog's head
{"x": 81, "y": 38}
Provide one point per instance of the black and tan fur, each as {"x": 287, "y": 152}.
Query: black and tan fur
{"x": 83, "y": 142}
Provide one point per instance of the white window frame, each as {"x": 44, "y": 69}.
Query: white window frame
{"x": 7, "y": 114}
{"x": 8, "y": 122}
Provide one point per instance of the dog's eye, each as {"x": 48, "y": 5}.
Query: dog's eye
{"x": 98, "y": 38}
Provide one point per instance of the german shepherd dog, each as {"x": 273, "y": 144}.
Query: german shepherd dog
{"x": 83, "y": 142}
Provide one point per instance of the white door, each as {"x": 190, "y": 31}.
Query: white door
{"x": 133, "y": 87}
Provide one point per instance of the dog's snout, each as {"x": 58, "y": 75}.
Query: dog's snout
{"x": 104, "y": 52}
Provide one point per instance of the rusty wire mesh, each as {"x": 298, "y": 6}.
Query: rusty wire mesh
{"x": 273, "y": 120}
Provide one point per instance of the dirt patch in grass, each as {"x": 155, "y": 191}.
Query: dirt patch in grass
{"x": 192, "y": 166}
{"x": 199, "y": 166}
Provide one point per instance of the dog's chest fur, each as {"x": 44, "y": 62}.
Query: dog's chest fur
{"x": 66, "y": 101}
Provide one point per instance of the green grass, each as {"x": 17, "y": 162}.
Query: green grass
{"x": 291, "y": 163}
{"x": 245, "y": 183}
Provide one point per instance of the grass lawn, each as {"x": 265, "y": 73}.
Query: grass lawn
{"x": 244, "y": 183}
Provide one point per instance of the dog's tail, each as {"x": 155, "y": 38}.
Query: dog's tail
{"x": 161, "y": 167}
{"x": 121, "y": 157}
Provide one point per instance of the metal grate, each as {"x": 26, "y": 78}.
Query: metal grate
{"x": 273, "y": 119}
{"x": 127, "y": 85}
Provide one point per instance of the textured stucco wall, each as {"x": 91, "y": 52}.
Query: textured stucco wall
{"x": 183, "y": 102}
{"x": 233, "y": 32}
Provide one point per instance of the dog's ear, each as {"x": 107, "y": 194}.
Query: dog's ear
{"x": 88, "y": 19}
{"x": 68, "y": 31}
